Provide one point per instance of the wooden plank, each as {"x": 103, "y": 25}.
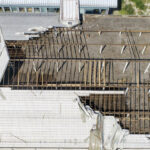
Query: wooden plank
{"x": 99, "y": 70}
{"x": 85, "y": 73}
{"x": 42, "y": 78}
{"x": 69, "y": 85}
{"x": 18, "y": 78}
{"x": 90, "y": 73}
{"x": 138, "y": 76}
{"x": 28, "y": 78}
{"x": 95, "y": 63}
{"x": 36, "y": 78}
{"x": 28, "y": 59}
{"x": 104, "y": 73}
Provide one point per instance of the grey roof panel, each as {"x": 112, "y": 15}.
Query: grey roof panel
{"x": 15, "y": 25}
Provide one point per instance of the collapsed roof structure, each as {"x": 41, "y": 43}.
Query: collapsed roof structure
{"x": 58, "y": 120}
{"x": 40, "y": 78}
{"x": 46, "y": 6}
{"x": 62, "y": 88}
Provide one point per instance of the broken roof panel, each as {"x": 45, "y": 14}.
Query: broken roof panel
{"x": 43, "y": 119}
{"x": 4, "y": 57}
{"x": 56, "y": 119}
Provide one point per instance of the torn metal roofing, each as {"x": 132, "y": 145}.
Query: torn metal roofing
{"x": 43, "y": 119}
{"x": 4, "y": 56}
{"x": 57, "y": 119}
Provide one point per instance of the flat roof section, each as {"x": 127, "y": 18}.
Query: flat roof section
{"x": 15, "y": 25}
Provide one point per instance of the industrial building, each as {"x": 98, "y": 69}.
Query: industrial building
{"x": 71, "y": 88}
{"x": 46, "y": 6}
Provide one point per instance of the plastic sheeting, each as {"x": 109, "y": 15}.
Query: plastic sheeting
{"x": 96, "y": 135}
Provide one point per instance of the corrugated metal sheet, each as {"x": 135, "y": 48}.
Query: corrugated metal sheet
{"x": 57, "y": 119}
{"x": 83, "y": 3}
{"x": 135, "y": 142}
{"x": 31, "y": 2}
{"x": 4, "y": 57}
{"x": 99, "y": 3}
{"x": 69, "y": 12}
{"x": 42, "y": 119}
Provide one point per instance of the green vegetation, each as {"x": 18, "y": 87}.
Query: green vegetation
{"x": 139, "y": 4}
{"x": 134, "y": 7}
{"x": 128, "y": 10}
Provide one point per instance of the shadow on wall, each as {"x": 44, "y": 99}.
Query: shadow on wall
{"x": 118, "y": 8}
{"x": 119, "y": 4}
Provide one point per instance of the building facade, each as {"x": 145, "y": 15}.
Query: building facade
{"x": 46, "y": 6}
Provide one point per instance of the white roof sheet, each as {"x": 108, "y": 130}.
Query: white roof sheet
{"x": 4, "y": 57}
{"x": 133, "y": 142}
{"x": 83, "y": 3}
{"x": 57, "y": 119}
{"x": 69, "y": 12}
{"x": 42, "y": 119}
